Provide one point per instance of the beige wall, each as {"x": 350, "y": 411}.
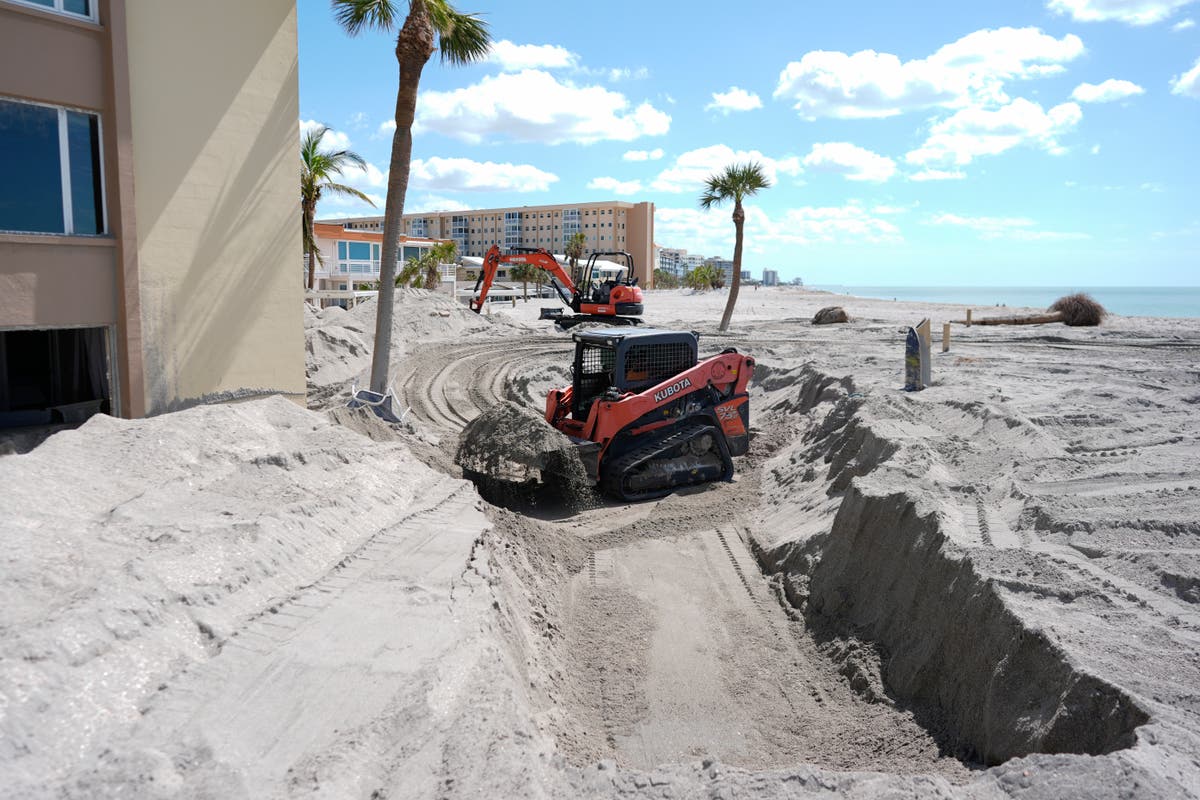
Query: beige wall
{"x": 214, "y": 107}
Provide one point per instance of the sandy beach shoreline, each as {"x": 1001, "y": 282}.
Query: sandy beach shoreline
{"x": 989, "y": 588}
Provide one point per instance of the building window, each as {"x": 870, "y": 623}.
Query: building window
{"x": 50, "y": 160}
{"x": 74, "y": 8}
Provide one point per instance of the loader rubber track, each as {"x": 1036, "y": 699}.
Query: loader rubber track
{"x": 614, "y": 476}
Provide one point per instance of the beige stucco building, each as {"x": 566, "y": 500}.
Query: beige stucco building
{"x": 607, "y": 226}
{"x": 149, "y": 245}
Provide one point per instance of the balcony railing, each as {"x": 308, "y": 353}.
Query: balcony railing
{"x": 356, "y": 268}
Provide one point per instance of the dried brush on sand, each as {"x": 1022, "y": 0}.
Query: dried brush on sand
{"x": 1079, "y": 309}
{"x": 1074, "y": 309}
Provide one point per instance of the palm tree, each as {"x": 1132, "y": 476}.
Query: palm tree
{"x": 736, "y": 183}
{"x": 574, "y": 251}
{"x": 665, "y": 279}
{"x": 318, "y": 168}
{"x": 412, "y": 273}
{"x": 440, "y": 253}
{"x": 523, "y": 273}
{"x": 462, "y": 39}
{"x": 704, "y": 277}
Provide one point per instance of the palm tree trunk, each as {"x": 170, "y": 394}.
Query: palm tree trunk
{"x": 739, "y": 218}
{"x": 306, "y": 219}
{"x": 414, "y": 46}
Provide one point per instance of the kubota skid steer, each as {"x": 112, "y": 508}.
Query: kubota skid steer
{"x": 644, "y": 414}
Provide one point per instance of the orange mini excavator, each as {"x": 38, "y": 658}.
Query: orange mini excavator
{"x": 607, "y": 294}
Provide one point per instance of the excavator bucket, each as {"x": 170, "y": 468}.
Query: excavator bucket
{"x": 517, "y": 460}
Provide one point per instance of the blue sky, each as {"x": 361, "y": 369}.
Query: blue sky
{"x": 1024, "y": 142}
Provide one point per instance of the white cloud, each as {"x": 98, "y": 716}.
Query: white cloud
{"x": 849, "y": 223}
{"x": 512, "y": 57}
{"x": 387, "y": 127}
{"x": 1106, "y": 92}
{"x": 534, "y": 106}
{"x": 1132, "y": 12}
{"x": 885, "y": 209}
{"x": 937, "y": 175}
{"x": 734, "y": 100}
{"x": 332, "y": 140}
{"x": 625, "y": 73}
{"x": 970, "y": 70}
{"x": 972, "y": 132}
{"x": 433, "y": 202}
{"x": 615, "y": 186}
{"x": 1095, "y": 150}
{"x": 693, "y": 168}
{"x": 1183, "y": 25}
{"x": 1188, "y": 84}
{"x": 643, "y": 155}
{"x": 1016, "y": 228}
{"x": 1153, "y": 186}
{"x": 456, "y": 175}
{"x": 856, "y": 163}
{"x": 465, "y": 175}
{"x": 712, "y": 233}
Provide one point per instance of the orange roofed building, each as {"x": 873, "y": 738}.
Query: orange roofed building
{"x": 351, "y": 258}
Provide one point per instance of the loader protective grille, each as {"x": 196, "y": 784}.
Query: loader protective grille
{"x": 594, "y": 366}
{"x": 649, "y": 364}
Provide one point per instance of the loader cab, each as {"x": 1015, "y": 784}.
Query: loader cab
{"x": 626, "y": 361}
{"x": 602, "y": 273}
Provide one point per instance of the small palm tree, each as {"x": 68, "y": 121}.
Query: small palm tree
{"x": 704, "y": 277}
{"x": 412, "y": 273}
{"x": 665, "y": 279}
{"x": 318, "y": 168}
{"x": 574, "y": 251}
{"x": 523, "y": 273}
{"x": 736, "y": 183}
{"x": 462, "y": 39}
{"x": 440, "y": 253}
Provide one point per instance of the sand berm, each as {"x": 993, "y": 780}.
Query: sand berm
{"x": 986, "y": 589}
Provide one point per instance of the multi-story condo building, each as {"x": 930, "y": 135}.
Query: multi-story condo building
{"x": 607, "y": 226}
{"x": 725, "y": 266}
{"x": 770, "y": 277}
{"x": 673, "y": 260}
{"x": 149, "y": 206}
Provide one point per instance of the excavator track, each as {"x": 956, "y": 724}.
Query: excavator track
{"x": 696, "y": 453}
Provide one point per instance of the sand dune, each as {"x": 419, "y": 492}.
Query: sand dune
{"x": 985, "y": 589}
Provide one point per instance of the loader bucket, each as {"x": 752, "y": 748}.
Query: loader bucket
{"x": 516, "y": 460}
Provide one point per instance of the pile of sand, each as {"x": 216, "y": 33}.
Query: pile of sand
{"x": 516, "y": 457}
{"x": 338, "y": 342}
{"x": 135, "y": 549}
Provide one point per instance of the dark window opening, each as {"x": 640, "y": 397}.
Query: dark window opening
{"x": 53, "y": 376}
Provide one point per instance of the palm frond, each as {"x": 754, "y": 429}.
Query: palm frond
{"x": 356, "y": 16}
{"x": 338, "y": 188}
{"x": 736, "y": 182}
{"x": 462, "y": 38}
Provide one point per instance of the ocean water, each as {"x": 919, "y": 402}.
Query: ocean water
{"x": 1157, "y": 301}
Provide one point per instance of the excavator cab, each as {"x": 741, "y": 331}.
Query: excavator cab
{"x": 603, "y": 273}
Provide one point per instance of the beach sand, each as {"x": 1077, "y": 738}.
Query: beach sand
{"x": 988, "y": 588}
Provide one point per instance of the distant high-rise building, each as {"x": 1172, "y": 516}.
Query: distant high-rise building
{"x": 770, "y": 277}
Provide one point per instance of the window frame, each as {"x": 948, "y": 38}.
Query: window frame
{"x": 64, "y": 165}
{"x": 58, "y": 8}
